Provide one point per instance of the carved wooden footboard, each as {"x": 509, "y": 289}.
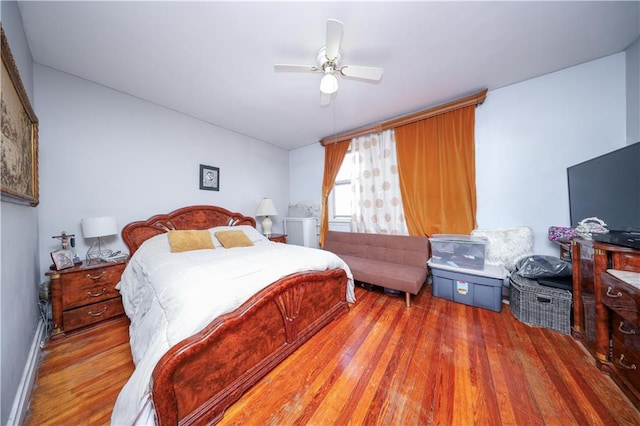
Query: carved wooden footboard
{"x": 197, "y": 379}
{"x": 200, "y": 377}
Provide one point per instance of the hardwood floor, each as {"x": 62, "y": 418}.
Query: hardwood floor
{"x": 437, "y": 362}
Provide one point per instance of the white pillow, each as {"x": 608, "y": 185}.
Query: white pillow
{"x": 506, "y": 245}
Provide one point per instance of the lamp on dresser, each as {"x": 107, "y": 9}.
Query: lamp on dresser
{"x": 266, "y": 208}
{"x": 98, "y": 227}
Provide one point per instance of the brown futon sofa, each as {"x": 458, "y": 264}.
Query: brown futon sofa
{"x": 397, "y": 262}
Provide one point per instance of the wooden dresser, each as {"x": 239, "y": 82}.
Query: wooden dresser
{"x": 622, "y": 301}
{"x": 584, "y": 300}
{"x": 84, "y": 295}
{"x": 608, "y": 307}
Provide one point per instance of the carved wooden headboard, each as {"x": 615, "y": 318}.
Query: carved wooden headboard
{"x": 192, "y": 217}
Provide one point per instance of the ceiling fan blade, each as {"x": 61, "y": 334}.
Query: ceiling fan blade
{"x": 325, "y": 99}
{"x": 365, "y": 73}
{"x": 334, "y": 38}
{"x": 295, "y": 68}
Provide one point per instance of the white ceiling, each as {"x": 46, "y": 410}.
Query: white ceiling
{"x": 214, "y": 60}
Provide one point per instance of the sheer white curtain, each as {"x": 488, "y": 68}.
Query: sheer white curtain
{"x": 375, "y": 185}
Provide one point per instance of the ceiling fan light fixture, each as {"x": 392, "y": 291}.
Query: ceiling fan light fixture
{"x": 329, "y": 64}
{"x": 329, "y": 84}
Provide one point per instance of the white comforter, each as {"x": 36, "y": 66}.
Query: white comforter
{"x": 170, "y": 296}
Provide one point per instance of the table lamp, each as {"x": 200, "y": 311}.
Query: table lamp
{"x": 98, "y": 227}
{"x": 266, "y": 209}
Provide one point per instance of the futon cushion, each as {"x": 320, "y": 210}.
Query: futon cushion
{"x": 396, "y": 276}
{"x": 397, "y": 262}
{"x": 400, "y": 249}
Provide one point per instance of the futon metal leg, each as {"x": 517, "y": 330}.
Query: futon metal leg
{"x": 408, "y": 298}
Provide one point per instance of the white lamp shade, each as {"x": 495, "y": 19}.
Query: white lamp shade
{"x": 266, "y": 208}
{"x": 94, "y": 227}
{"x": 329, "y": 84}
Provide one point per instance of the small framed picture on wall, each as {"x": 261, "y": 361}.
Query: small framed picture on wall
{"x": 209, "y": 178}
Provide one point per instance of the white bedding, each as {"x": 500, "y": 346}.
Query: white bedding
{"x": 170, "y": 296}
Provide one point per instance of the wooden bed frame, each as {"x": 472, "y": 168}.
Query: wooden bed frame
{"x": 197, "y": 379}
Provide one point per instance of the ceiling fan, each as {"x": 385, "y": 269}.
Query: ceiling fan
{"x": 329, "y": 64}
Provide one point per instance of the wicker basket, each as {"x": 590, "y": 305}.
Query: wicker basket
{"x": 540, "y": 305}
{"x": 589, "y": 305}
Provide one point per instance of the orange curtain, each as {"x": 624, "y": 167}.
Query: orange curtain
{"x": 333, "y": 156}
{"x": 436, "y": 164}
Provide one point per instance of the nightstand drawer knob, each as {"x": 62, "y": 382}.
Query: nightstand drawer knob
{"x": 103, "y": 291}
{"x": 96, "y": 277}
{"x": 97, "y": 314}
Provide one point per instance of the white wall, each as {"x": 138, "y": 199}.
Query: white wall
{"x": 19, "y": 249}
{"x": 527, "y": 134}
{"x": 633, "y": 92}
{"x": 307, "y": 166}
{"x": 107, "y": 153}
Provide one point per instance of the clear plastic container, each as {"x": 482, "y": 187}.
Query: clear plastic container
{"x": 460, "y": 251}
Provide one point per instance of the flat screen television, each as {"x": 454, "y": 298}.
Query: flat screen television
{"x": 607, "y": 187}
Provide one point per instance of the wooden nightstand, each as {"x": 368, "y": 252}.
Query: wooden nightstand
{"x": 278, "y": 238}
{"x": 84, "y": 295}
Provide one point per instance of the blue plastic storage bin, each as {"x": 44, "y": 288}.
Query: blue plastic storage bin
{"x": 483, "y": 290}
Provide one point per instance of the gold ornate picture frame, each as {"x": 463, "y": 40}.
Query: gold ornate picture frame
{"x": 19, "y": 136}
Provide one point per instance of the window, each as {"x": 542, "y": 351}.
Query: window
{"x": 341, "y": 198}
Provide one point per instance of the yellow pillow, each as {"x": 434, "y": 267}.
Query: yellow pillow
{"x": 230, "y": 239}
{"x": 189, "y": 240}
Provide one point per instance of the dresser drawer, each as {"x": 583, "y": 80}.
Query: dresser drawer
{"x": 627, "y": 362}
{"x": 625, "y": 332}
{"x": 91, "y": 314}
{"x": 90, "y": 286}
{"x": 626, "y": 261}
{"x": 621, "y": 298}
